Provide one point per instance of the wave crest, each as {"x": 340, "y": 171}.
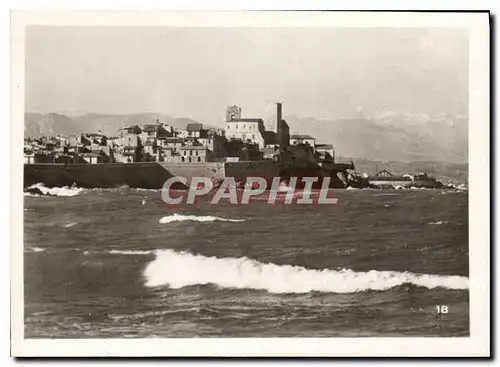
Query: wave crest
{"x": 34, "y": 249}
{"x": 53, "y": 191}
{"x": 131, "y": 252}
{"x": 438, "y": 223}
{"x": 181, "y": 269}
{"x": 195, "y": 218}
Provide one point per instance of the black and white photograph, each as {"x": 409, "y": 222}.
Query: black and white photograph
{"x": 243, "y": 177}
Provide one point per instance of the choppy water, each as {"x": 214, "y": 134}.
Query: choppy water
{"x": 116, "y": 263}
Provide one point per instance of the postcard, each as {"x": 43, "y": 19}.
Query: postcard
{"x": 230, "y": 183}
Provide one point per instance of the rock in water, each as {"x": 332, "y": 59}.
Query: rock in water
{"x": 36, "y": 191}
{"x": 343, "y": 178}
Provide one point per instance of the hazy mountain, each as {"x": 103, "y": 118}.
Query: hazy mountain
{"x": 52, "y": 124}
{"x": 391, "y": 136}
{"x": 111, "y": 124}
{"x": 36, "y": 124}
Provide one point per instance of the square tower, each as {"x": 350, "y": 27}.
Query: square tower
{"x": 272, "y": 116}
{"x": 233, "y": 113}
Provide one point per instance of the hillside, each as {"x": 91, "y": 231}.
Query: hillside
{"x": 391, "y": 136}
{"x": 36, "y": 124}
{"x": 52, "y": 124}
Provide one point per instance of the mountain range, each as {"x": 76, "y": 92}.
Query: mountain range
{"x": 388, "y": 136}
{"x": 391, "y": 136}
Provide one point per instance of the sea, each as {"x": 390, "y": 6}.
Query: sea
{"x": 120, "y": 263}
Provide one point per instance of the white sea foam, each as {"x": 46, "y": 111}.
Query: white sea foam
{"x": 180, "y": 269}
{"x": 71, "y": 224}
{"x": 57, "y": 191}
{"x": 132, "y": 252}
{"x": 439, "y": 222}
{"x": 458, "y": 186}
{"x": 34, "y": 249}
{"x": 195, "y": 218}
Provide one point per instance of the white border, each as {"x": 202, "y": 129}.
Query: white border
{"x": 476, "y": 345}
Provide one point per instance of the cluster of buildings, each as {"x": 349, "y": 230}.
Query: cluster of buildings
{"x": 243, "y": 139}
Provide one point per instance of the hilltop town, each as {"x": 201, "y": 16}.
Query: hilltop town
{"x": 242, "y": 139}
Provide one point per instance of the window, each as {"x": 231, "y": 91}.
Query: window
{"x": 190, "y": 153}
{"x": 196, "y": 152}
{"x": 244, "y": 126}
{"x": 189, "y": 159}
{"x": 183, "y": 159}
{"x": 236, "y": 126}
{"x": 199, "y": 159}
{"x": 253, "y": 136}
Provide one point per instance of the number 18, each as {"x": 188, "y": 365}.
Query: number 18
{"x": 442, "y": 309}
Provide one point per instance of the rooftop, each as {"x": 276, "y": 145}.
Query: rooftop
{"x": 301, "y": 136}
{"x": 194, "y": 127}
{"x": 128, "y": 127}
{"x": 324, "y": 146}
{"x": 173, "y": 140}
{"x": 247, "y": 120}
{"x": 150, "y": 128}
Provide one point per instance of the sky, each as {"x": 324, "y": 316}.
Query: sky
{"x": 197, "y": 72}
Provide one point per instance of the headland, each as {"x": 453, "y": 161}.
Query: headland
{"x": 145, "y": 156}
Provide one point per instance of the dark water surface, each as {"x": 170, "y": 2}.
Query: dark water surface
{"x": 100, "y": 264}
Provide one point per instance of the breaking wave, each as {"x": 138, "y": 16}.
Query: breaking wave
{"x": 458, "y": 186}
{"x": 195, "y": 218}
{"x": 181, "y": 269}
{"x": 40, "y": 188}
{"x": 132, "y": 252}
